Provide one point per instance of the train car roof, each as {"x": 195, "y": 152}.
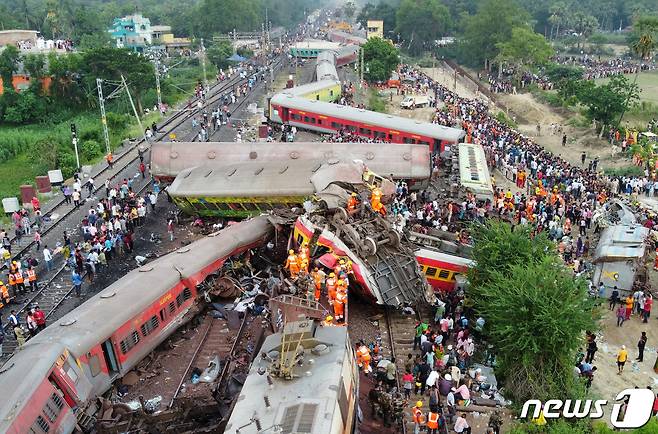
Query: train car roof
{"x": 349, "y": 36}
{"x": 314, "y": 86}
{"x": 314, "y": 44}
{"x": 276, "y": 178}
{"x": 324, "y": 69}
{"x": 21, "y": 375}
{"x": 473, "y": 170}
{"x": 311, "y": 396}
{"x": 370, "y": 117}
{"x": 406, "y": 161}
{"x": 428, "y": 252}
{"x": 99, "y": 317}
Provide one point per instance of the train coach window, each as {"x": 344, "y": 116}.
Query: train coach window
{"x": 307, "y": 119}
{"x": 365, "y": 131}
{"x": 53, "y": 407}
{"x": 380, "y": 135}
{"x": 221, "y": 206}
{"x": 40, "y": 426}
{"x": 172, "y": 307}
{"x": 187, "y": 294}
{"x": 150, "y": 325}
{"x": 250, "y": 206}
{"x": 409, "y": 141}
{"x": 351, "y": 128}
{"x": 128, "y": 343}
{"x": 444, "y": 274}
{"x": 422, "y": 142}
{"x": 336, "y": 125}
{"x": 317, "y": 97}
{"x": 312, "y": 120}
{"x": 431, "y": 271}
{"x": 295, "y": 117}
{"x": 264, "y": 206}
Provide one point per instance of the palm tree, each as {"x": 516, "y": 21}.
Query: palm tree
{"x": 643, "y": 41}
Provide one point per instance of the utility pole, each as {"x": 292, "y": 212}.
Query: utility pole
{"x": 157, "y": 84}
{"x": 74, "y": 140}
{"x": 203, "y": 63}
{"x": 361, "y": 68}
{"x": 132, "y": 104}
{"x": 101, "y": 103}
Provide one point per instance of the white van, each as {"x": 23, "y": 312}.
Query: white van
{"x": 413, "y": 101}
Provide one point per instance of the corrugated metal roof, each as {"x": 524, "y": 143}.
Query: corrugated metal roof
{"x": 382, "y": 120}
{"x": 621, "y": 242}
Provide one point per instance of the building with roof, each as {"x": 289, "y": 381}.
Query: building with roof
{"x": 375, "y": 29}
{"x": 13, "y": 37}
{"x": 163, "y": 39}
{"x": 133, "y": 32}
{"x": 619, "y": 256}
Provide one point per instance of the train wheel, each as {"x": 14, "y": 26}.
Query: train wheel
{"x": 394, "y": 238}
{"x": 369, "y": 247}
{"x": 340, "y": 215}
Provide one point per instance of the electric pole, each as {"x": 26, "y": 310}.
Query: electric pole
{"x": 203, "y": 63}
{"x": 74, "y": 140}
{"x": 132, "y": 104}
{"x": 101, "y": 103}
{"x": 361, "y": 68}
{"x": 157, "y": 84}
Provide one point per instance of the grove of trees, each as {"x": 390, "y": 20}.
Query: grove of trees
{"x": 380, "y": 58}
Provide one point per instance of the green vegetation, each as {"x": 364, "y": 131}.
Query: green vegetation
{"x": 562, "y": 426}
{"x": 421, "y": 22}
{"x": 86, "y": 21}
{"x": 376, "y": 102}
{"x": 524, "y": 292}
{"x": 380, "y": 58}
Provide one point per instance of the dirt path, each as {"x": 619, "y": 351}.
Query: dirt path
{"x": 533, "y": 113}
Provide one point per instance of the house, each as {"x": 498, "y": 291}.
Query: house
{"x": 133, "y": 32}
{"x": 164, "y": 39}
{"x": 375, "y": 29}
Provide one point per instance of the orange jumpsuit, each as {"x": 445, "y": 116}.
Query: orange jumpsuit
{"x": 292, "y": 264}
{"x": 363, "y": 355}
{"x": 352, "y": 204}
{"x": 303, "y": 261}
{"x": 331, "y": 289}
{"x": 317, "y": 280}
{"x": 376, "y": 201}
{"x": 339, "y": 306}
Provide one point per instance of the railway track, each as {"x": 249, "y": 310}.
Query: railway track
{"x": 57, "y": 288}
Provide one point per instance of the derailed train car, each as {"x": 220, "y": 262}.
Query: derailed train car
{"x": 51, "y": 384}
{"x": 406, "y": 161}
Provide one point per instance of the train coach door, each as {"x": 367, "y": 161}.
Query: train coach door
{"x": 110, "y": 358}
{"x": 284, "y": 114}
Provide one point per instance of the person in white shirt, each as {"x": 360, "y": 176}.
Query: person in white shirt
{"x": 461, "y": 426}
{"x": 48, "y": 258}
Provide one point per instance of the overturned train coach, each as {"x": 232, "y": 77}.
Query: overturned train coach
{"x": 51, "y": 385}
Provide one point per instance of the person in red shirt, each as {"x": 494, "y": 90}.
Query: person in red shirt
{"x": 142, "y": 169}
{"x": 647, "y": 308}
{"x": 39, "y": 318}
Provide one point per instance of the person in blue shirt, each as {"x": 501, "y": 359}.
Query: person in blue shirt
{"x": 76, "y": 278}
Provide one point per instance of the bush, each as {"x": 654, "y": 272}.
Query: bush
{"x": 375, "y": 102}
{"x": 67, "y": 164}
{"x": 503, "y": 118}
{"x": 625, "y": 171}
{"x": 90, "y": 149}
{"x": 117, "y": 121}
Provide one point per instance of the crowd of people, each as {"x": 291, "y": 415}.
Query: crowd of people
{"x": 593, "y": 69}
{"x": 107, "y": 232}
{"x": 45, "y": 44}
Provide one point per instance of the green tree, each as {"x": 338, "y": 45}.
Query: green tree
{"x": 111, "y": 64}
{"x": 35, "y": 65}
{"x": 383, "y": 11}
{"x": 490, "y": 26}
{"x": 524, "y": 49}
{"x": 525, "y": 294}
{"x": 607, "y": 102}
{"x": 218, "y": 53}
{"x": 222, "y": 16}
{"x": 9, "y": 59}
{"x": 421, "y": 22}
{"x": 349, "y": 9}
{"x": 558, "y": 18}
{"x": 380, "y": 58}
{"x": 584, "y": 25}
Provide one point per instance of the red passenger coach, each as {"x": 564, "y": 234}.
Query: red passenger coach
{"x": 441, "y": 269}
{"x": 330, "y": 118}
{"x": 49, "y": 384}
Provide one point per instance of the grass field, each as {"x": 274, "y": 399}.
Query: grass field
{"x": 648, "y": 82}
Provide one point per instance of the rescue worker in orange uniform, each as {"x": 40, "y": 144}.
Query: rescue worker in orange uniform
{"x": 331, "y": 287}
{"x": 352, "y": 204}
{"x": 4, "y": 295}
{"x": 376, "y": 201}
{"x": 305, "y": 249}
{"x": 418, "y": 416}
{"x": 18, "y": 278}
{"x": 292, "y": 264}
{"x": 12, "y": 282}
{"x": 303, "y": 261}
{"x": 339, "y": 303}
{"x": 433, "y": 423}
{"x": 328, "y": 321}
{"x": 363, "y": 358}
{"x": 31, "y": 278}
{"x": 318, "y": 279}
{"x": 338, "y": 268}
